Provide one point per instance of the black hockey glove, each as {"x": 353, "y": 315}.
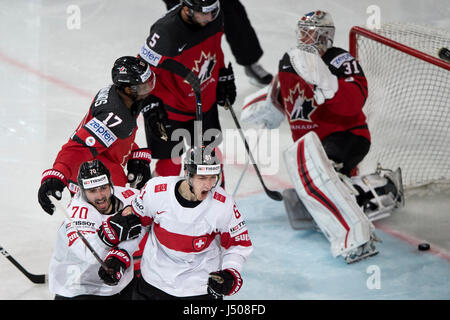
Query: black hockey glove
{"x": 224, "y": 283}
{"x": 52, "y": 184}
{"x": 155, "y": 117}
{"x": 119, "y": 228}
{"x": 117, "y": 260}
{"x": 138, "y": 167}
{"x": 226, "y": 89}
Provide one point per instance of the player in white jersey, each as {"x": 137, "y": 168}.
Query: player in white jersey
{"x": 95, "y": 212}
{"x": 198, "y": 241}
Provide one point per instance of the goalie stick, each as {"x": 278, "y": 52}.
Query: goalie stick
{"x": 35, "y": 278}
{"x": 273, "y": 194}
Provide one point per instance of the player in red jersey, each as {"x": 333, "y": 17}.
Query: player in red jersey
{"x": 322, "y": 90}
{"x": 190, "y": 34}
{"x": 107, "y": 133}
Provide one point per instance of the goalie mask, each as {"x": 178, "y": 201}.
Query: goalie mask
{"x": 315, "y": 29}
{"x": 202, "y": 162}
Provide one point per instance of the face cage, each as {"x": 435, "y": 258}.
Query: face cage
{"x": 322, "y": 37}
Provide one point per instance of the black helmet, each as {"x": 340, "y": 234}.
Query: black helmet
{"x": 202, "y": 161}
{"x": 204, "y": 6}
{"x": 131, "y": 71}
{"x": 93, "y": 174}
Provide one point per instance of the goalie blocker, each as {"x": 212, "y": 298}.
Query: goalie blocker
{"x": 342, "y": 208}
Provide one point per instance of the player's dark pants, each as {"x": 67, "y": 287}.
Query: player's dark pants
{"x": 240, "y": 35}
{"x": 145, "y": 291}
{"x": 347, "y": 148}
{"x": 89, "y": 297}
{"x": 163, "y": 149}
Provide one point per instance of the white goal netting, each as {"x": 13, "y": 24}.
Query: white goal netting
{"x": 408, "y": 108}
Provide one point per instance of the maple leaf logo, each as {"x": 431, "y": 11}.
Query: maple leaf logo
{"x": 204, "y": 65}
{"x": 298, "y": 106}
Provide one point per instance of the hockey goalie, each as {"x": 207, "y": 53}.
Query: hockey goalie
{"x": 322, "y": 90}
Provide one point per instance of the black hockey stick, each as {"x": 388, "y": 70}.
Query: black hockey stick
{"x": 35, "y": 278}
{"x": 187, "y": 74}
{"x": 273, "y": 194}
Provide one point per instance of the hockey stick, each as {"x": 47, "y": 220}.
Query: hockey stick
{"x": 35, "y": 278}
{"x": 187, "y": 74}
{"x": 245, "y": 169}
{"x": 59, "y": 207}
{"x": 275, "y": 195}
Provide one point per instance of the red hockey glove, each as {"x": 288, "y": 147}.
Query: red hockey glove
{"x": 117, "y": 260}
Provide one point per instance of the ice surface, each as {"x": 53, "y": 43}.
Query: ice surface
{"x": 49, "y": 75}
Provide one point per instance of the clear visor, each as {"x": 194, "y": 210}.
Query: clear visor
{"x": 148, "y": 83}
{"x": 213, "y": 9}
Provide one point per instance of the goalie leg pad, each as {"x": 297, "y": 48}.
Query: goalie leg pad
{"x": 298, "y": 215}
{"x": 325, "y": 196}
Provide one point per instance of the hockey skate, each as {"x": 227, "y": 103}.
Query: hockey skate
{"x": 299, "y": 217}
{"x": 258, "y": 75}
{"x": 364, "y": 251}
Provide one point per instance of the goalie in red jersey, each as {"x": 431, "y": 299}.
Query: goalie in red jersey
{"x": 322, "y": 90}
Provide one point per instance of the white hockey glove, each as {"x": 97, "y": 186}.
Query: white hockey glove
{"x": 313, "y": 70}
{"x": 263, "y": 107}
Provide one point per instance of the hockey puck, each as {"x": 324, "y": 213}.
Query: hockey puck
{"x": 423, "y": 246}
{"x": 444, "y": 54}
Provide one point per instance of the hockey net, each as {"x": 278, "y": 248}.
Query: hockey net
{"x": 408, "y": 108}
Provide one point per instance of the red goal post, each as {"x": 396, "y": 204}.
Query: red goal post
{"x": 408, "y": 107}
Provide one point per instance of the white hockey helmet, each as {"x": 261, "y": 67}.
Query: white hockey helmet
{"x": 315, "y": 29}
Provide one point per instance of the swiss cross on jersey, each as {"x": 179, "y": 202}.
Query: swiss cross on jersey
{"x": 200, "y": 243}
{"x": 298, "y": 106}
{"x": 204, "y": 65}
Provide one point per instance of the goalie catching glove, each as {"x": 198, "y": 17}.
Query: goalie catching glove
{"x": 224, "y": 282}
{"x": 117, "y": 260}
{"x": 119, "y": 228}
{"x": 263, "y": 107}
{"x": 314, "y": 71}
